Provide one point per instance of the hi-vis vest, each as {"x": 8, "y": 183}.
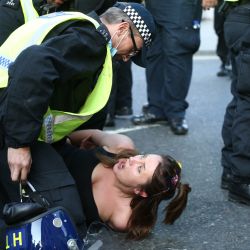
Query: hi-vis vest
{"x": 56, "y": 124}
{"x": 29, "y": 12}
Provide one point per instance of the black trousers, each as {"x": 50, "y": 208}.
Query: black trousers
{"x": 170, "y": 58}
{"x": 121, "y": 94}
{"x": 236, "y": 126}
{"x": 221, "y": 49}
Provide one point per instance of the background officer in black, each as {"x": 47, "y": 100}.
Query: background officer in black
{"x": 236, "y": 126}
{"x": 221, "y": 50}
{"x": 178, "y": 38}
{"x": 12, "y": 15}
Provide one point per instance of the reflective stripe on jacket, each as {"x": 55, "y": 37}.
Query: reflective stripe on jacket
{"x": 29, "y": 11}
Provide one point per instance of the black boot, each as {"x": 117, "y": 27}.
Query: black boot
{"x": 239, "y": 192}
{"x": 178, "y": 126}
{"x": 147, "y": 118}
{"x": 110, "y": 121}
{"x": 124, "y": 111}
{"x": 223, "y": 71}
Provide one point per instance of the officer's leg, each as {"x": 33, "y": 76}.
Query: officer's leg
{"x": 154, "y": 75}
{"x": 181, "y": 41}
{"x": 50, "y": 176}
{"x": 111, "y": 105}
{"x": 3, "y": 200}
{"x": 237, "y": 35}
{"x": 9, "y": 189}
{"x": 241, "y": 125}
{"x": 221, "y": 50}
{"x": 124, "y": 89}
{"x": 227, "y": 149}
{"x": 233, "y": 30}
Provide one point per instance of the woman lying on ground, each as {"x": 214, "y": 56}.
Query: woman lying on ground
{"x": 123, "y": 188}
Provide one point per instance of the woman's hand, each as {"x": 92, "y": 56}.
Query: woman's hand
{"x": 87, "y": 143}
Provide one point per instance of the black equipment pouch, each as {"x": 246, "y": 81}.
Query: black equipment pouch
{"x": 31, "y": 204}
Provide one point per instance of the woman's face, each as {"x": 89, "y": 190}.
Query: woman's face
{"x": 137, "y": 170}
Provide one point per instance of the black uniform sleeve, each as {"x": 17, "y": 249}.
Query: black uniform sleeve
{"x": 41, "y": 72}
{"x": 11, "y": 17}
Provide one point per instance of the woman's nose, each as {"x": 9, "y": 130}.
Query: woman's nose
{"x": 133, "y": 160}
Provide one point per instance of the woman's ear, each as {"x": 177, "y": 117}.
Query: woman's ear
{"x": 140, "y": 192}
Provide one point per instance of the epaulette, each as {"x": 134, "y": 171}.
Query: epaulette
{"x": 13, "y": 4}
{"x": 102, "y": 29}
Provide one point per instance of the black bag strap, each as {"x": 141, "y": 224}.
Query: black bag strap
{"x": 34, "y": 195}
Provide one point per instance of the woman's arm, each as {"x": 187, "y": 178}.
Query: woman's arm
{"x": 112, "y": 142}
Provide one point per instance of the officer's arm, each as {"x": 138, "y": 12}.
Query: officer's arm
{"x": 26, "y": 102}
{"x": 31, "y": 83}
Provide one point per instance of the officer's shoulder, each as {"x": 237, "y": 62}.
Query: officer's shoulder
{"x": 12, "y": 4}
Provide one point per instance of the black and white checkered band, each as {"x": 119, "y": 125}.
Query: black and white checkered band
{"x": 139, "y": 24}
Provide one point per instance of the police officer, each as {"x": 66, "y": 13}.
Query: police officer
{"x": 55, "y": 87}
{"x": 178, "y": 38}
{"x": 236, "y": 126}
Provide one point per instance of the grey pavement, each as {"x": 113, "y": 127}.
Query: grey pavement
{"x": 208, "y": 36}
{"x": 210, "y": 221}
